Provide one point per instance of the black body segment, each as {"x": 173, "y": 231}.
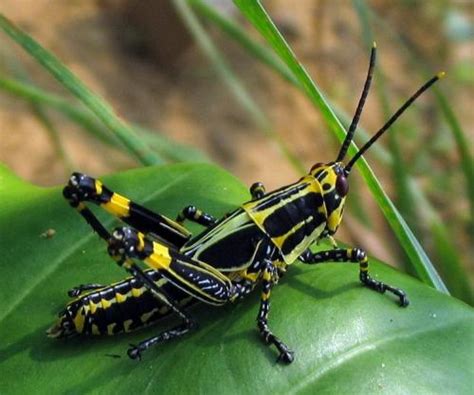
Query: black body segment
{"x": 236, "y": 230}
{"x": 121, "y": 307}
{"x": 291, "y": 217}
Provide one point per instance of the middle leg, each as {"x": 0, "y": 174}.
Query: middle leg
{"x": 268, "y": 280}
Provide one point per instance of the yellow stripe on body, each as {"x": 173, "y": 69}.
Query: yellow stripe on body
{"x": 137, "y": 292}
{"x": 110, "y": 328}
{"x": 253, "y": 277}
{"x": 95, "y": 330}
{"x": 205, "y": 297}
{"x": 267, "y": 276}
{"x": 146, "y": 316}
{"x": 118, "y": 205}
{"x": 141, "y": 241}
{"x": 259, "y": 216}
{"x": 336, "y": 216}
{"x": 305, "y": 244}
{"x": 161, "y": 260}
{"x": 175, "y": 226}
{"x": 106, "y": 303}
{"x": 120, "y": 298}
{"x": 98, "y": 187}
{"x": 93, "y": 307}
{"x": 164, "y": 310}
{"x": 79, "y": 319}
{"x": 253, "y": 207}
{"x": 127, "y": 324}
{"x": 237, "y": 221}
{"x": 278, "y": 241}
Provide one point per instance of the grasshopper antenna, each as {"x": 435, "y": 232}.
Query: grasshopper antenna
{"x": 390, "y": 122}
{"x": 360, "y": 105}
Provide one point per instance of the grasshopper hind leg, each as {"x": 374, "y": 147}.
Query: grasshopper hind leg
{"x": 135, "y": 351}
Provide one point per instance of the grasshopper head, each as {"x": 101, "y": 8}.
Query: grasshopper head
{"x": 334, "y": 185}
{"x": 333, "y": 176}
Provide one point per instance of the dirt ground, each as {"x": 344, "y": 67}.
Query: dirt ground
{"x": 178, "y": 93}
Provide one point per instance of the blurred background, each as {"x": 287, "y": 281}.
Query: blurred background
{"x": 198, "y": 84}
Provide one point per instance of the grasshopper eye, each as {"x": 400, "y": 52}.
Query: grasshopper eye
{"x": 342, "y": 186}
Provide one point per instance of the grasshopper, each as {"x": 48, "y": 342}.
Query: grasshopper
{"x": 252, "y": 245}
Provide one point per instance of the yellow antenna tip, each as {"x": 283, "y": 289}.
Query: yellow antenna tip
{"x": 374, "y": 45}
{"x": 441, "y": 74}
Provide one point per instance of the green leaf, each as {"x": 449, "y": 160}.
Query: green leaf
{"x": 347, "y": 338}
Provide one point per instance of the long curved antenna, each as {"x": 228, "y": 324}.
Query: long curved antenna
{"x": 390, "y": 122}
{"x": 360, "y": 106}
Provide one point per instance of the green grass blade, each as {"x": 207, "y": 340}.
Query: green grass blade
{"x": 410, "y": 199}
{"x": 459, "y": 135}
{"x": 450, "y": 264}
{"x": 33, "y": 94}
{"x": 400, "y": 178}
{"x": 16, "y": 68}
{"x": 267, "y": 57}
{"x": 257, "y": 15}
{"x": 164, "y": 147}
{"x": 236, "y": 86}
{"x": 238, "y": 34}
{"x": 55, "y": 138}
{"x": 92, "y": 101}
{"x": 175, "y": 152}
{"x": 462, "y": 144}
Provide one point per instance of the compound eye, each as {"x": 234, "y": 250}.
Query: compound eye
{"x": 342, "y": 186}
{"x": 316, "y": 166}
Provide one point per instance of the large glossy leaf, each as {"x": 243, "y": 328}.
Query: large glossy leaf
{"x": 347, "y": 338}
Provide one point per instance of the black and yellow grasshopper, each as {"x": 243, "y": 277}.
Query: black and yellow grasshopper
{"x": 252, "y": 245}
